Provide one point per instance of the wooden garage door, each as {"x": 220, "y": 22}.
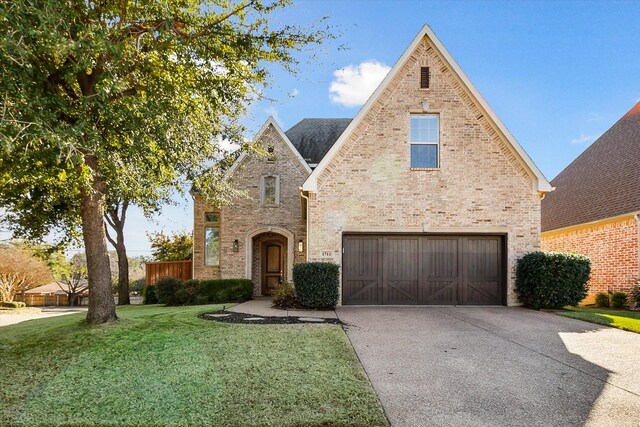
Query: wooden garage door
{"x": 417, "y": 269}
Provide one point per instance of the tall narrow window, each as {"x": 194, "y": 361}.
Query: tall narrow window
{"x": 270, "y": 191}
{"x": 425, "y": 140}
{"x": 212, "y": 246}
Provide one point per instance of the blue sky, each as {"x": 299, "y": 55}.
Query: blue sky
{"x": 557, "y": 73}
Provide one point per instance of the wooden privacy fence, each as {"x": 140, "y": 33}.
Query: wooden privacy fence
{"x": 182, "y": 270}
{"x": 42, "y": 300}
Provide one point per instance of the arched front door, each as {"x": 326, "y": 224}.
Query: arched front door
{"x": 273, "y": 262}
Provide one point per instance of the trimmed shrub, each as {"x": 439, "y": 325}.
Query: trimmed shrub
{"x": 552, "y": 279}
{"x": 618, "y": 299}
{"x": 12, "y": 304}
{"x": 602, "y": 299}
{"x": 317, "y": 284}
{"x": 284, "y": 295}
{"x": 166, "y": 288}
{"x": 635, "y": 295}
{"x": 226, "y": 290}
{"x": 149, "y": 295}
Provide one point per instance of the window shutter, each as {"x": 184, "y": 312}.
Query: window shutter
{"x": 424, "y": 77}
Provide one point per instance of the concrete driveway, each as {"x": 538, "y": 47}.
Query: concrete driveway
{"x": 498, "y": 366}
{"x": 12, "y": 319}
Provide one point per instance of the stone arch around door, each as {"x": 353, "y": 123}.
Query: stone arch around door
{"x": 253, "y": 269}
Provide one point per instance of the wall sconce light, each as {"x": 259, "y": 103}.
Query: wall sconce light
{"x": 236, "y": 245}
{"x": 300, "y": 246}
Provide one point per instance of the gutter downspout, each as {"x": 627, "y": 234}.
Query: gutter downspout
{"x": 306, "y": 248}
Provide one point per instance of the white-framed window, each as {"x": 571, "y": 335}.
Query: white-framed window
{"x": 270, "y": 190}
{"x": 425, "y": 141}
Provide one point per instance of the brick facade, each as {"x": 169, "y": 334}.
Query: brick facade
{"x": 481, "y": 186}
{"x": 612, "y": 247}
{"x": 246, "y": 220}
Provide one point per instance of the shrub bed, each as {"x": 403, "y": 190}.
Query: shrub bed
{"x": 149, "y": 295}
{"x": 317, "y": 284}
{"x": 602, "y": 299}
{"x": 12, "y": 304}
{"x": 552, "y": 279}
{"x": 284, "y": 296}
{"x": 618, "y": 300}
{"x": 171, "y": 291}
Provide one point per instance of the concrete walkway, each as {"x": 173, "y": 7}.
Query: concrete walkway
{"x": 262, "y": 306}
{"x": 12, "y": 319}
{"x": 496, "y": 367}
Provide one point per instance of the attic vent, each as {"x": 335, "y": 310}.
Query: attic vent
{"x": 424, "y": 77}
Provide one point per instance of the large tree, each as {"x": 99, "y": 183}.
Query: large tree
{"x": 94, "y": 92}
{"x": 20, "y": 271}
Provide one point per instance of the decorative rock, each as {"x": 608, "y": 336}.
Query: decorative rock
{"x": 218, "y": 315}
{"x": 311, "y": 319}
{"x": 252, "y": 319}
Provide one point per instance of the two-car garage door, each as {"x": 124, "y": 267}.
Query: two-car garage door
{"x": 422, "y": 269}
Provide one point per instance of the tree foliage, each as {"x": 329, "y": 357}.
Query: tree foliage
{"x": 175, "y": 247}
{"x": 120, "y": 99}
{"x": 20, "y": 271}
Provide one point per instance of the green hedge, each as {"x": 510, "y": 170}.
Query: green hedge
{"x": 552, "y": 279}
{"x": 12, "y": 304}
{"x": 618, "y": 299}
{"x": 317, "y": 284}
{"x": 149, "y": 295}
{"x": 171, "y": 291}
{"x": 226, "y": 290}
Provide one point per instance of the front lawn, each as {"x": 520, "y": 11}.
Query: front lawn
{"x": 621, "y": 319}
{"x": 161, "y": 366}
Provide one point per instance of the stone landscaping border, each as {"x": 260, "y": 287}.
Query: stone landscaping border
{"x": 224, "y": 316}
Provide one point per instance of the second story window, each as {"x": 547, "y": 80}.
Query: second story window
{"x": 425, "y": 141}
{"x": 270, "y": 190}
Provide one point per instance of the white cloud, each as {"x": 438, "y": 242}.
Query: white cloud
{"x": 294, "y": 93}
{"x": 353, "y": 84}
{"x": 583, "y": 138}
{"x": 594, "y": 117}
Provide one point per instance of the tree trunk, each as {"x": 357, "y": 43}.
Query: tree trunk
{"x": 92, "y": 201}
{"x": 123, "y": 269}
{"x": 116, "y": 221}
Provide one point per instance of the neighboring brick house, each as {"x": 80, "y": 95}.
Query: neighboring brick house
{"x": 423, "y": 198}
{"x": 594, "y": 210}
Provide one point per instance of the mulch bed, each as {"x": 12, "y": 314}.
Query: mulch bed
{"x": 224, "y": 316}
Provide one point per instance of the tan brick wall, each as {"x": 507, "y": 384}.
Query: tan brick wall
{"x": 480, "y": 185}
{"x": 245, "y": 214}
{"x": 612, "y": 247}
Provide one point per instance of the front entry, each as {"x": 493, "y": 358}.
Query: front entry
{"x": 272, "y": 265}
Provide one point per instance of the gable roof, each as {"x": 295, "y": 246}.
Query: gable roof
{"x": 270, "y": 122}
{"x": 542, "y": 185}
{"x": 603, "y": 182}
{"x": 313, "y": 138}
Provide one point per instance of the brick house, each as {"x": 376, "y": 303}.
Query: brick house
{"x": 595, "y": 208}
{"x": 423, "y": 198}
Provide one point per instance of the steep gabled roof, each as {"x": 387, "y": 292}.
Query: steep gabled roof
{"x": 542, "y": 185}
{"x": 603, "y": 182}
{"x": 313, "y": 138}
{"x": 270, "y": 122}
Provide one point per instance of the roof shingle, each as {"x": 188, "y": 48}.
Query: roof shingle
{"x": 313, "y": 138}
{"x": 603, "y": 182}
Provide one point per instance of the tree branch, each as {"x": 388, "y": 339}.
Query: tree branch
{"x": 106, "y": 232}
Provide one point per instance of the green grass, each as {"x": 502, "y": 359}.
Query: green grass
{"x": 621, "y": 319}
{"x": 160, "y": 366}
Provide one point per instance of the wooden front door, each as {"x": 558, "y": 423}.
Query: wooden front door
{"x": 272, "y": 266}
